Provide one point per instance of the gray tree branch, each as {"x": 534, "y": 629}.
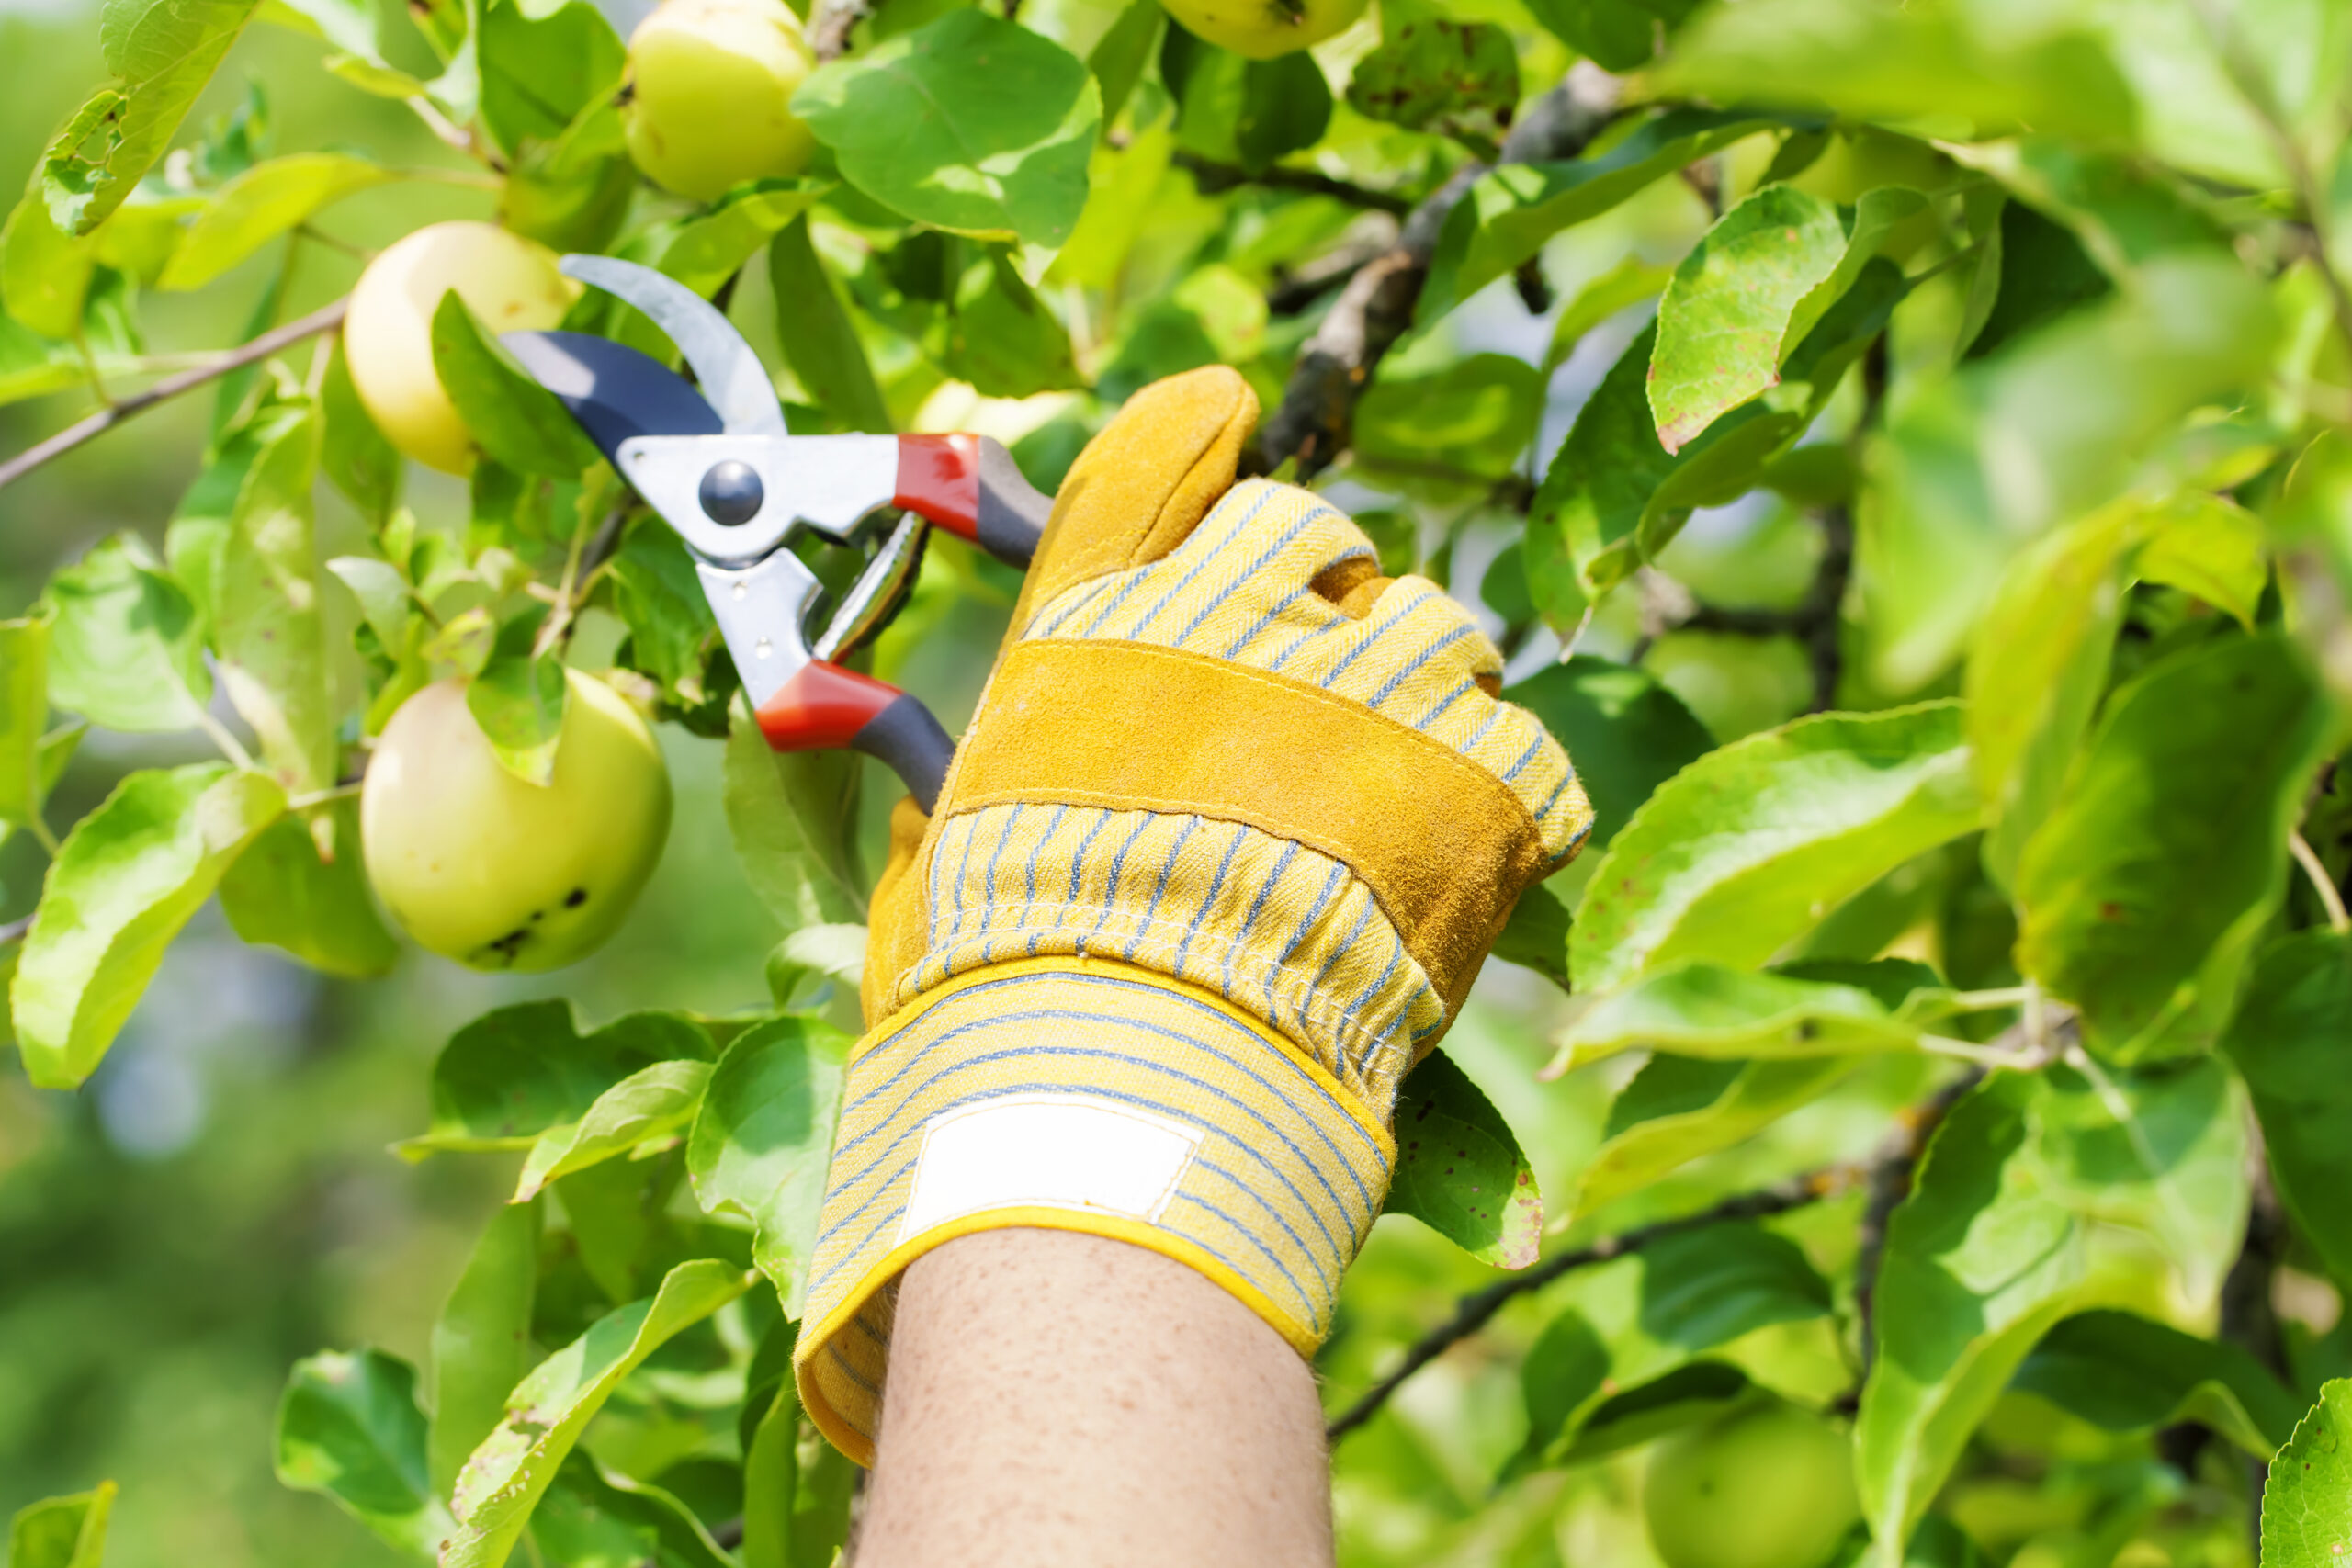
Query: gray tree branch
{"x": 1318, "y": 411}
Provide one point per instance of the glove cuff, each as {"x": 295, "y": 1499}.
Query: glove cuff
{"x": 1088, "y": 1095}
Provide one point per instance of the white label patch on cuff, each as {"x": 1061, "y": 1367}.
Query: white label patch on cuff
{"x": 1058, "y": 1151}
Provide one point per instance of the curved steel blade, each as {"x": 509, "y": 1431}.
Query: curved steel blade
{"x": 733, "y": 379}
{"x": 611, "y": 391}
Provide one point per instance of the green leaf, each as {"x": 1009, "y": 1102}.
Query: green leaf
{"x": 1536, "y": 935}
{"x": 1697, "y": 1009}
{"x": 1614, "y": 497}
{"x": 503, "y": 1480}
{"x": 1678, "y": 1108}
{"x": 353, "y": 454}
{"x": 259, "y": 205}
{"x": 161, "y": 52}
{"x": 513, "y": 418}
{"x": 2210, "y": 549}
{"x": 1629, "y": 283}
{"x": 2288, "y": 1040}
{"x": 2141, "y": 897}
{"x": 1752, "y": 844}
{"x": 593, "y": 1515}
{"x": 126, "y": 649}
{"x": 1233, "y": 110}
{"x": 481, "y": 1341}
{"x": 2307, "y": 1497}
{"x": 518, "y": 699}
{"x": 1625, "y": 734}
{"x": 24, "y": 716}
{"x": 1469, "y": 420}
{"x": 1459, "y": 1168}
{"x": 1510, "y": 211}
{"x": 62, "y": 1532}
{"x": 1457, "y": 79}
{"x": 758, "y": 1146}
{"x": 969, "y": 124}
{"x": 514, "y": 1073}
{"x": 1619, "y": 35}
{"x": 1643, "y": 1319}
{"x": 1867, "y": 61}
{"x": 791, "y": 812}
{"x": 1725, "y": 323}
{"x": 1121, "y": 56}
{"x": 129, "y": 876}
{"x": 659, "y": 598}
{"x": 543, "y": 65}
{"x": 707, "y": 250}
{"x": 1970, "y": 470}
{"x": 2037, "y": 669}
{"x": 1994, "y": 1245}
{"x": 2129, "y": 1374}
{"x": 817, "y": 336}
{"x": 651, "y": 1108}
{"x": 282, "y": 892}
{"x": 350, "y": 1427}
{"x": 1003, "y": 339}
{"x": 44, "y": 276}
{"x": 260, "y": 591}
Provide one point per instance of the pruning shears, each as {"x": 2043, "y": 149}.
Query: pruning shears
{"x": 716, "y": 461}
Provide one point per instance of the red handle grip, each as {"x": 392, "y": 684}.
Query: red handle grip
{"x": 822, "y": 706}
{"x": 939, "y": 479}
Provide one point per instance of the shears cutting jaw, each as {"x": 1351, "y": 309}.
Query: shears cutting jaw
{"x": 721, "y": 468}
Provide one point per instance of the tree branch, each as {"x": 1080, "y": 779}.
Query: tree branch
{"x": 831, "y": 23}
{"x": 325, "y": 319}
{"x": 14, "y": 932}
{"x": 1474, "y": 1311}
{"x": 1214, "y": 178}
{"x": 1317, "y": 410}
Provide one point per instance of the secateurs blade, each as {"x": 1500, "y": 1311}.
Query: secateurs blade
{"x": 715, "y": 459}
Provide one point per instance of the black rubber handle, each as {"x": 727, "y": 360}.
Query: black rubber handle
{"x": 1011, "y": 513}
{"x": 909, "y": 739}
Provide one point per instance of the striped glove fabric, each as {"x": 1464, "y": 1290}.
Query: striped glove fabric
{"x": 1229, "y": 839}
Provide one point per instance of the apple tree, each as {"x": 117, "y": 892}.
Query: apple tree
{"x": 1903, "y": 452}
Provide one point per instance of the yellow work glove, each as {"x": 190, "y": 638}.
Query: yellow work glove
{"x": 1231, "y": 832}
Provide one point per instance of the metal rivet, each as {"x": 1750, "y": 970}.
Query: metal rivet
{"x": 731, "y": 493}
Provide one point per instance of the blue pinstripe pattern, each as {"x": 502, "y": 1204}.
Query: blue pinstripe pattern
{"x": 1208, "y": 557}
{"x": 996, "y": 858}
{"x": 1119, "y": 870}
{"x": 1347, "y": 1019}
{"x": 834, "y": 1351}
{"x": 993, "y": 1091}
{"x": 1054, "y": 1015}
{"x": 1263, "y": 622}
{"x": 1412, "y": 664}
{"x": 1451, "y": 698}
{"x": 1480, "y": 733}
{"x": 1094, "y": 590}
{"x": 1060, "y": 1015}
{"x": 1533, "y": 746}
{"x": 1249, "y": 924}
{"x": 1271, "y": 550}
{"x": 1051, "y": 828}
{"x": 1303, "y": 639}
{"x": 1160, "y": 890}
{"x": 1134, "y": 578}
{"x": 1355, "y": 933}
{"x": 1371, "y": 638}
{"x": 1078, "y": 861}
{"x": 1314, "y": 1313}
{"x": 1208, "y": 902}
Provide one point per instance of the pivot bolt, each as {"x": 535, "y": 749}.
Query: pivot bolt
{"x": 731, "y": 493}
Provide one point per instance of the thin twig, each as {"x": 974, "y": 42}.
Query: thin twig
{"x": 14, "y": 932}
{"x": 1475, "y": 1310}
{"x": 1214, "y": 178}
{"x": 325, "y": 319}
{"x": 454, "y": 134}
{"x": 2330, "y": 897}
{"x": 1313, "y": 423}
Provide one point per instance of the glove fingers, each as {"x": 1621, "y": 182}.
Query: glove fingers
{"x": 1143, "y": 484}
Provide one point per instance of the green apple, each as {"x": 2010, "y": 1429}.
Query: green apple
{"x": 1261, "y": 29}
{"x": 1765, "y": 1487}
{"x": 480, "y": 866}
{"x": 509, "y": 282}
{"x": 707, "y": 103}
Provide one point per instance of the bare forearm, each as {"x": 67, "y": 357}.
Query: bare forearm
{"x": 1063, "y": 1399}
